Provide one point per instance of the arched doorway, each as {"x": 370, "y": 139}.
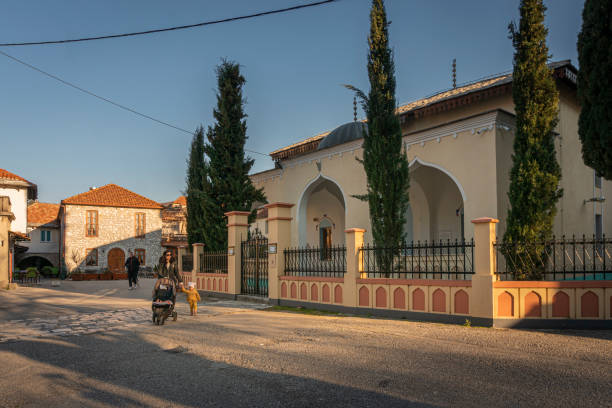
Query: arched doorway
{"x": 321, "y": 214}
{"x": 436, "y": 205}
{"x": 116, "y": 260}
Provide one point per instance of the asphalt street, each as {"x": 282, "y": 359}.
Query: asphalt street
{"x": 237, "y": 354}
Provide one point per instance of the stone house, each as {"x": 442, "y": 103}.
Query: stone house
{"x": 459, "y": 148}
{"x": 100, "y": 226}
{"x": 44, "y": 232}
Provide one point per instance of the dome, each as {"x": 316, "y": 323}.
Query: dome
{"x": 343, "y": 134}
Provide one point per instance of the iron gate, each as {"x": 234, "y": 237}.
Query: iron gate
{"x": 254, "y": 265}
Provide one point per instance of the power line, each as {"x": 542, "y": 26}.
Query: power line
{"x": 161, "y": 122}
{"x": 161, "y": 30}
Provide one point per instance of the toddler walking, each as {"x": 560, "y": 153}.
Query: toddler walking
{"x": 193, "y": 297}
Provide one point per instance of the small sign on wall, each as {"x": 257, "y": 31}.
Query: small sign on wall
{"x": 272, "y": 248}
{"x": 230, "y": 250}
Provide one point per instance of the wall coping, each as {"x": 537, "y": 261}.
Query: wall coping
{"x": 211, "y": 275}
{"x": 311, "y": 279}
{"x": 237, "y": 213}
{"x": 552, "y": 284}
{"x": 279, "y": 204}
{"x": 485, "y": 220}
{"x": 416, "y": 282}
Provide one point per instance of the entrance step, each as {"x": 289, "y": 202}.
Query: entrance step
{"x": 253, "y": 299}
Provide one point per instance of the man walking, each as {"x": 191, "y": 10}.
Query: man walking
{"x": 133, "y": 265}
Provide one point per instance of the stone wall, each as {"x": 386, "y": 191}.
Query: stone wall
{"x": 116, "y": 229}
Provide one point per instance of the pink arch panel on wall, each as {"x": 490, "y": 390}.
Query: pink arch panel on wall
{"x": 314, "y": 292}
{"x": 326, "y": 293}
{"x": 399, "y": 298}
{"x": 381, "y": 297}
{"x": 338, "y": 294}
{"x": 462, "y": 302}
{"x": 293, "y": 290}
{"x": 561, "y": 305}
{"x": 589, "y": 304}
{"x": 505, "y": 305}
{"x": 364, "y": 296}
{"x": 418, "y": 299}
{"x": 439, "y": 301}
{"x": 284, "y": 289}
{"x": 303, "y": 291}
{"x": 533, "y": 305}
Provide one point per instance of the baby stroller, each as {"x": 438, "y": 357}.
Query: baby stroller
{"x": 164, "y": 298}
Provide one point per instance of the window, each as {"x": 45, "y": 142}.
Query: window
{"x": 140, "y": 225}
{"x": 92, "y": 257}
{"x": 45, "y": 236}
{"x": 91, "y": 223}
{"x": 140, "y": 254}
{"x": 325, "y": 239}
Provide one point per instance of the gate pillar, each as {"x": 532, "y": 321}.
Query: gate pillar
{"x": 237, "y": 229}
{"x": 279, "y": 238}
{"x": 481, "y": 298}
{"x": 6, "y": 216}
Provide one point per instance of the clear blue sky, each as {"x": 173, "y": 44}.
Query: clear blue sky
{"x": 294, "y": 64}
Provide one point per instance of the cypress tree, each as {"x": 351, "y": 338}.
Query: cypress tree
{"x": 535, "y": 174}
{"x": 227, "y": 186}
{"x": 384, "y": 162}
{"x": 595, "y": 86}
{"x": 195, "y": 185}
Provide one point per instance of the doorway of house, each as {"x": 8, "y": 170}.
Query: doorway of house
{"x": 116, "y": 260}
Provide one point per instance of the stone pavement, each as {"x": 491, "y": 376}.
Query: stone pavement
{"x": 60, "y": 322}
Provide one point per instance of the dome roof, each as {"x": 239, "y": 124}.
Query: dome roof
{"x": 343, "y": 134}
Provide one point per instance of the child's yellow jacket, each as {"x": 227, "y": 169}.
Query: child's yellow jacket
{"x": 192, "y": 295}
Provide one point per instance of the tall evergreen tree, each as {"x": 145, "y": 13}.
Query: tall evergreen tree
{"x": 195, "y": 186}
{"x": 227, "y": 186}
{"x": 595, "y": 86}
{"x": 384, "y": 162}
{"x": 535, "y": 174}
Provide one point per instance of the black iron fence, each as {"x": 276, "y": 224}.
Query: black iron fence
{"x": 187, "y": 261}
{"x": 420, "y": 260}
{"x": 213, "y": 262}
{"x": 556, "y": 259}
{"x": 322, "y": 262}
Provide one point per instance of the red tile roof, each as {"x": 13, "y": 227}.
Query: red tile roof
{"x": 182, "y": 200}
{"x": 112, "y": 195}
{"x": 7, "y": 175}
{"x": 43, "y": 213}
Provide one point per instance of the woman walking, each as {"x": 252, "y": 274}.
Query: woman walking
{"x": 168, "y": 269}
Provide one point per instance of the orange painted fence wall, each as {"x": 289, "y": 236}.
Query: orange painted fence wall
{"x": 552, "y": 300}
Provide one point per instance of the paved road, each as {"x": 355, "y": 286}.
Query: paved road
{"x": 236, "y": 355}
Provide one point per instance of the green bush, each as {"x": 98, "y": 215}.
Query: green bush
{"x": 32, "y": 269}
{"x": 50, "y": 271}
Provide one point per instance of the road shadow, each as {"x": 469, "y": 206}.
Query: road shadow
{"x": 123, "y": 370}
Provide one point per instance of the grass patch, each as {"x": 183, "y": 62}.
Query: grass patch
{"x": 303, "y": 310}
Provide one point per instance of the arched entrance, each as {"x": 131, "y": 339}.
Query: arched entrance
{"x": 116, "y": 260}
{"x": 321, "y": 214}
{"x": 36, "y": 261}
{"x": 436, "y": 205}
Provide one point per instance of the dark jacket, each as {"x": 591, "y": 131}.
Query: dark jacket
{"x": 132, "y": 264}
{"x": 170, "y": 273}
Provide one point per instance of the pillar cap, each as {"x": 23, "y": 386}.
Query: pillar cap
{"x": 279, "y": 204}
{"x": 353, "y": 230}
{"x": 237, "y": 213}
{"x": 197, "y": 244}
{"x": 485, "y": 220}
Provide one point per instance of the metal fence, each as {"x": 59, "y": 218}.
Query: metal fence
{"x": 213, "y": 262}
{"x": 187, "y": 262}
{"x": 322, "y": 262}
{"x": 420, "y": 260}
{"x": 556, "y": 259}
